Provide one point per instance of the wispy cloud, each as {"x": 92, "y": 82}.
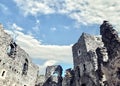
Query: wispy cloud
{"x": 45, "y": 52}
{"x": 93, "y": 12}
{"x": 83, "y": 11}
{"x": 4, "y": 9}
{"x": 53, "y": 29}
{"x": 66, "y": 27}
{"x": 36, "y": 27}
{"x": 34, "y": 7}
{"x": 16, "y": 27}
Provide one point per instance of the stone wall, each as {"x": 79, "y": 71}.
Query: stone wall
{"x": 69, "y": 78}
{"x": 12, "y": 66}
{"x": 85, "y": 59}
{"x": 96, "y": 59}
{"x": 53, "y": 76}
{"x": 110, "y": 68}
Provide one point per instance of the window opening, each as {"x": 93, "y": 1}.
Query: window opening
{"x": 79, "y": 52}
{"x": 3, "y": 73}
{"x": 84, "y": 67}
{"x": 83, "y": 85}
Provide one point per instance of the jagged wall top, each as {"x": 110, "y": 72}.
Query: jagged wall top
{"x": 111, "y": 39}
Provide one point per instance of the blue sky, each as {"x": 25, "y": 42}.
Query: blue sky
{"x": 47, "y": 29}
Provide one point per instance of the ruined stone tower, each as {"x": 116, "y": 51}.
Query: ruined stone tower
{"x": 96, "y": 59}
{"x": 16, "y": 67}
{"x": 85, "y": 60}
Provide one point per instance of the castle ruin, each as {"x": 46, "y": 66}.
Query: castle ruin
{"x": 96, "y": 59}
{"x": 96, "y": 62}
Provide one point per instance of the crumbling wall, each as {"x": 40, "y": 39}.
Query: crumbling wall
{"x": 110, "y": 68}
{"x": 11, "y": 69}
{"x": 40, "y": 80}
{"x": 110, "y": 39}
{"x": 85, "y": 60}
{"x": 79, "y": 51}
{"x": 69, "y": 78}
{"x": 53, "y": 76}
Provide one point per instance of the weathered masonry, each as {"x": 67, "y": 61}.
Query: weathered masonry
{"x": 96, "y": 62}
{"x": 97, "y": 59}
{"x": 53, "y": 76}
{"x": 85, "y": 60}
{"x": 16, "y": 67}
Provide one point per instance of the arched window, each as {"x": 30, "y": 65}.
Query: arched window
{"x": 84, "y": 67}
{"x": 11, "y": 51}
{"x": 78, "y": 71}
{"x": 25, "y": 67}
{"x": 3, "y": 73}
{"x": 26, "y": 60}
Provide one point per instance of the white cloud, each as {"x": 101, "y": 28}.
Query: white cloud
{"x": 53, "y": 29}
{"x": 4, "y": 9}
{"x": 36, "y": 28}
{"x": 52, "y": 54}
{"x": 47, "y": 63}
{"x": 66, "y": 27}
{"x": 93, "y": 12}
{"x": 50, "y": 63}
{"x": 12, "y": 30}
{"x": 45, "y": 52}
{"x": 3, "y": 6}
{"x": 14, "y": 26}
{"x": 38, "y": 21}
{"x": 34, "y": 7}
{"x": 83, "y": 11}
